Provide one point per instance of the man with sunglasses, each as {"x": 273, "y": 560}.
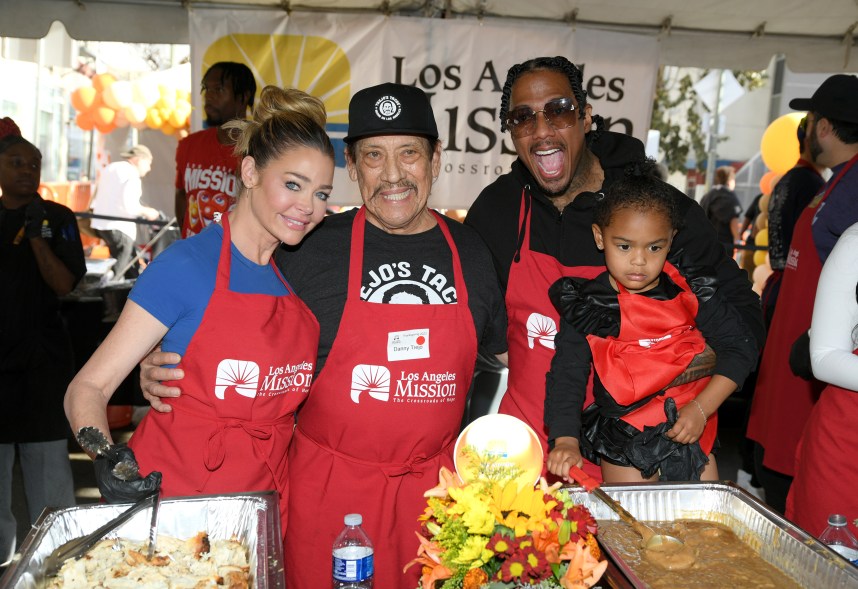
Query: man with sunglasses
{"x": 537, "y": 222}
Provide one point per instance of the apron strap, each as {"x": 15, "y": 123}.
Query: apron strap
{"x": 390, "y": 469}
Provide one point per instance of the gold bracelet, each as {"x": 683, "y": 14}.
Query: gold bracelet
{"x": 702, "y": 412}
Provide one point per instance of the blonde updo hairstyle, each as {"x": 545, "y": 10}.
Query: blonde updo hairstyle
{"x": 283, "y": 119}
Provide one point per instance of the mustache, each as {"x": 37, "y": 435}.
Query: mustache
{"x": 387, "y": 186}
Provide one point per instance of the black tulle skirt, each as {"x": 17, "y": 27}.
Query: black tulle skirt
{"x": 650, "y": 451}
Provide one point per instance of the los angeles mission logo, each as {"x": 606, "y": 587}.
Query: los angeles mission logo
{"x": 244, "y": 378}
{"x": 370, "y": 381}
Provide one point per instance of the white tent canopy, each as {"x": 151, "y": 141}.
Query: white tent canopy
{"x": 815, "y": 36}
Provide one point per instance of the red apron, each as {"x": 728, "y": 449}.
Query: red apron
{"x": 247, "y": 369}
{"x": 380, "y": 423}
{"x": 782, "y": 401}
{"x": 825, "y": 473}
{"x": 532, "y": 324}
{"x": 657, "y": 341}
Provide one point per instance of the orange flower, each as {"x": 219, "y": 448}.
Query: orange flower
{"x": 474, "y": 578}
{"x": 594, "y": 546}
{"x": 584, "y": 571}
{"x": 446, "y": 479}
{"x": 547, "y": 543}
{"x": 429, "y": 555}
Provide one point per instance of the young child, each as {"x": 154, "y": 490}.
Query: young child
{"x": 639, "y": 325}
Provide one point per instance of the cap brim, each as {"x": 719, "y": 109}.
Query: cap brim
{"x": 800, "y": 104}
{"x": 353, "y": 138}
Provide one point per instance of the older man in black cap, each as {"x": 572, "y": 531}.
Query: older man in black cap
{"x": 782, "y": 400}
{"x": 386, "y": 407}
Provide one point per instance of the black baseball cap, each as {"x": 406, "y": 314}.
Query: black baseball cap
{"x": 836, "y": 97}
{"x": 390, "y": 109}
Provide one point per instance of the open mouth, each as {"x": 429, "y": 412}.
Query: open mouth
{"x": 549, "y": 161}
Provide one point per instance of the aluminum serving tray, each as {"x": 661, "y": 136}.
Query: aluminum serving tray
{"x": 779, "y": 542}
{"x": 252, "y": 518}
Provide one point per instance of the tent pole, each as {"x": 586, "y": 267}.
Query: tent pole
{"x": 713, "y": 135}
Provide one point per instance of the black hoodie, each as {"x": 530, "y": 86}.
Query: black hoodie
{"x": 568, "y": 236}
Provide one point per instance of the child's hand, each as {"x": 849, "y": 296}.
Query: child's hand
{"x": 689, "y": 424}
{"x": 564, "y": 456}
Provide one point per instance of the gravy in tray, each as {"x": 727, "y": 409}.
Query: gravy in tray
{"x": 713, "y": 557}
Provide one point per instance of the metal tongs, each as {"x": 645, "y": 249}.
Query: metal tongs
{"x": 80, "y": 546}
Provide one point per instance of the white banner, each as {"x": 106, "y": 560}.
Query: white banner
{"x": 461, "y": 64}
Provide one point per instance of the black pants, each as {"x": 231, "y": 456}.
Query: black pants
{"x": 775, "y": 484}
{"x": 122, "y": 248}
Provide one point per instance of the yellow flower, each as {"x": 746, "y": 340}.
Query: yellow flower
{"x": 523, "y": 508}
{"x": 472, "y": 505}
{"x": 474, "y": 553}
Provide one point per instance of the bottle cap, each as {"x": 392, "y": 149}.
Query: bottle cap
{"x": 836, "y": 520}
{"x": 356, "y": 519}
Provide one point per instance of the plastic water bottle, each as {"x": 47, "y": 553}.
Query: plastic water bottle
{"x": 353, "y": 556}
{"x": 838, "y": 537}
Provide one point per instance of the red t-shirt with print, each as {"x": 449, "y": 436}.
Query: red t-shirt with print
{"x": 206, "y": 170}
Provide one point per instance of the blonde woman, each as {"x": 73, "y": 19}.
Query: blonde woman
{"x": 248, "y": 344}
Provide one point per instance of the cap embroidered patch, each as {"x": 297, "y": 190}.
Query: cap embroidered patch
{"x": 387, "y": 108}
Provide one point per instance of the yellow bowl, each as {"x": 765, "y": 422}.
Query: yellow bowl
{"x": 505, "y": 439}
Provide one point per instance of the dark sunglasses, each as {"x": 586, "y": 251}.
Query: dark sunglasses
{"x": 559, "y": 113}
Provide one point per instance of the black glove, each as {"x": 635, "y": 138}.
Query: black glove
{"x": 34, "y": 220}
{"x": 115, "y": 489}
{"x": 799, "y": 357}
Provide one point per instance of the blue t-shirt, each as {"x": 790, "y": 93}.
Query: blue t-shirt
{"x": 176, "y": 287}
{"x": 837, "y": 213}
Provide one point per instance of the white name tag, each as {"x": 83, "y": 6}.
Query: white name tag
{"x": 407, "y": 345}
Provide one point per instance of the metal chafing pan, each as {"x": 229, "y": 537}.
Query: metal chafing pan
{"x": 252, "y": 518}
{"x": 779, "y": 542}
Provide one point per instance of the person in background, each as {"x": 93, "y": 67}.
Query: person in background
{"x": 825, "y": 474}
{"x": 118, "y": 194}
{"x": 387, "y": 403}
{"x": 206, "y": 182}
{"x": 639, "y": 325}
{"x": 41, "y": 259}
{"x": 537, "y": 222}
{"x": 782, "y": 400}
{"x": 218, "y": 300}
{"x": 722, "y": 208}
{"x": 792, "y": 193}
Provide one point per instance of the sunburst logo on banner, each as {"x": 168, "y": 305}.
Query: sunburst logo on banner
{"x": 315, "y": 65}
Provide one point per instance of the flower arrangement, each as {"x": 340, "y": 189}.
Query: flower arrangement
{"x": 498, "y": 531}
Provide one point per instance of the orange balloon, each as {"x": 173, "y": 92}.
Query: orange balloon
{"x": 103, "y": 116}
{"x": 105, "y": 128}
{"x": 85, "y": 121}
{"x": 768, "y": 181}
{"x": 167, "y": 128}
{"x": 83, "y": 98}
{"x": 102, "y": 81}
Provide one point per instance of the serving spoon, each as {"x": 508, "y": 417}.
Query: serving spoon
{"x": 650, "y": 539}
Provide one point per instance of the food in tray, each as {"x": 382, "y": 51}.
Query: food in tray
{"x": 721, "y": 559}
{"x": 196, "y": 563}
